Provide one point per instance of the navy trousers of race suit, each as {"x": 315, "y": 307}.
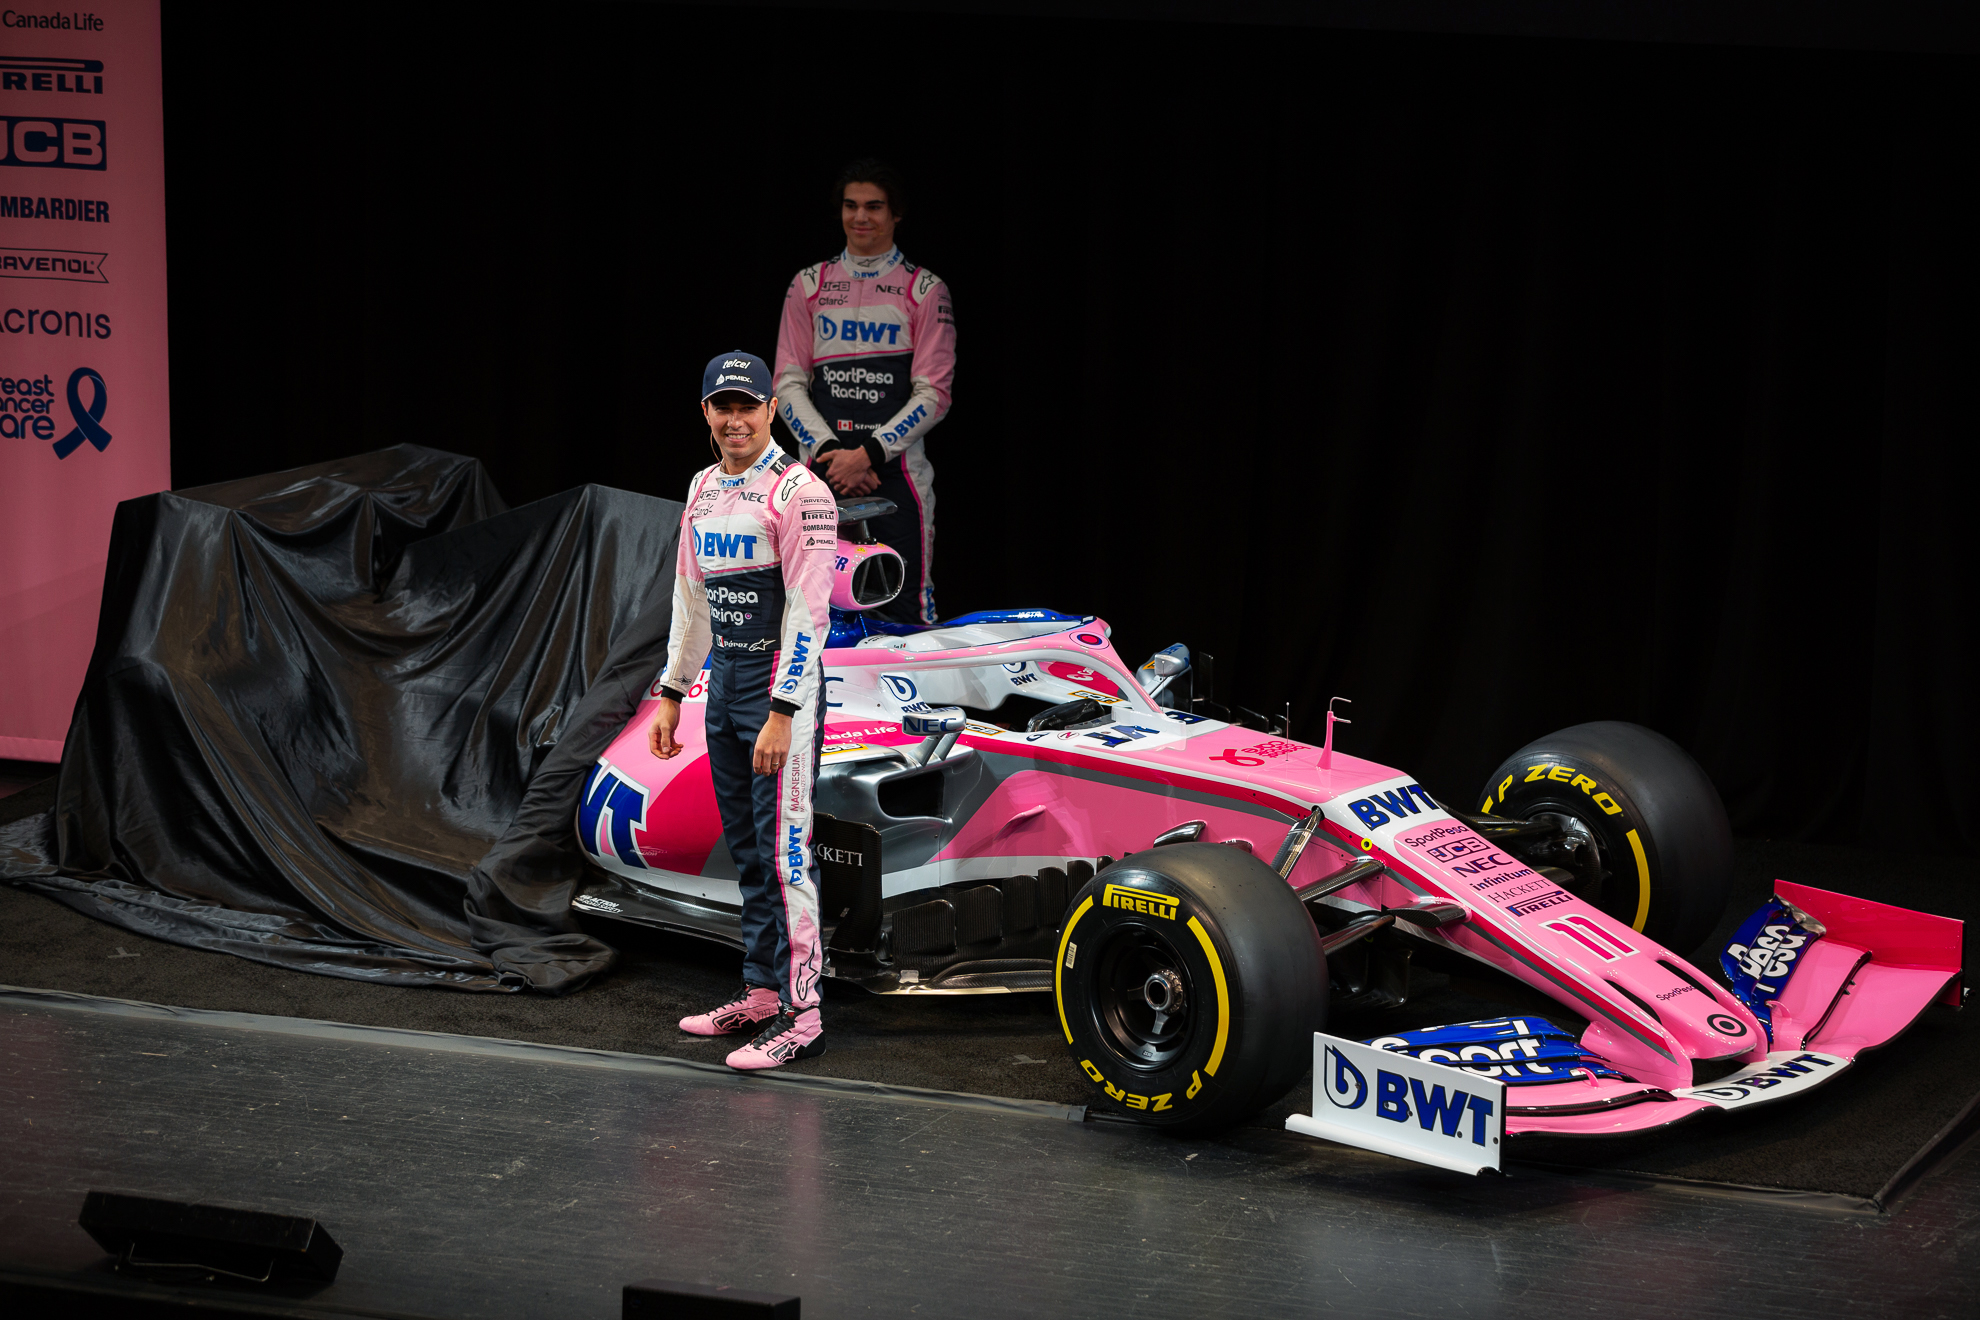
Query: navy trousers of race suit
{"x": 738, "y": 705}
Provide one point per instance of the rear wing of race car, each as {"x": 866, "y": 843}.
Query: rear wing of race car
{"x": 1827, "y": 975}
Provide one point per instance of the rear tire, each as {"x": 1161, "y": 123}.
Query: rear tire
{"x": 1215, "y": 935}
{"x": 1656, "y": 820}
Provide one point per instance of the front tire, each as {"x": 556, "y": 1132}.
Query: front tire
{"x": 1655, "y": 818}
{"x": 1190, "y": 982}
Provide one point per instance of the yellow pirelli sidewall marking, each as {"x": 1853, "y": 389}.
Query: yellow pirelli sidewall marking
{"x": 1223, "y": 995}
{"x": 1145, "y": 901}
{"x": 1059, "y": 967}
{"x": 1642, "y": 882}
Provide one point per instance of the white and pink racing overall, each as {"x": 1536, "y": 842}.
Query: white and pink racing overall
{"x": 865, "y": 355}
{"x": 752, "y": 593}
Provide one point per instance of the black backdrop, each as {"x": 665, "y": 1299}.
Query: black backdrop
{"x": 1497, "y": 384}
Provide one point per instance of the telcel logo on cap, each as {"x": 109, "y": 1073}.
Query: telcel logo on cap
{"x": 738, "y": 362}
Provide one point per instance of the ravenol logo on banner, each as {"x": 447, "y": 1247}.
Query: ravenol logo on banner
{"x": 27, "y": 409}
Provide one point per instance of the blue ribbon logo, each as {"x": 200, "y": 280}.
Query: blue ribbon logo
{"x": 88, "y": 420}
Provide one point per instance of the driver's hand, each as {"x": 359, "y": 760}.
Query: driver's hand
{"x": 660, "y": 733}
{"x": 850, "y": 472}
{"x": 773, "y": 744}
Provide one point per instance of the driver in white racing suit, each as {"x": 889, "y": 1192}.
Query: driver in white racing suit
{"x": 752, "y": 593}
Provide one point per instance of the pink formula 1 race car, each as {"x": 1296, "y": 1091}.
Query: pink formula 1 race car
{"x": 1004, "y": 806}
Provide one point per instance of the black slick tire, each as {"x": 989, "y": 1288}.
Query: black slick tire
{"x": 1656, "y": 819}
{"x": 1214, "y": 933}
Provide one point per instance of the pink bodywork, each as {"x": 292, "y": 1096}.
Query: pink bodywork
{"x": 1651, "y": 1014}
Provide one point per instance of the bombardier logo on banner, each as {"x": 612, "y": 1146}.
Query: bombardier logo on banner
{"x": 84, "y": 408}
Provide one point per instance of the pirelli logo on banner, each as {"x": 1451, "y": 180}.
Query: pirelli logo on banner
{"x": 56, "y": 144}
{"x": 1140, "y": 900}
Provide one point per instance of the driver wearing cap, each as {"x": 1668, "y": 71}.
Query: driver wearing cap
{"x": 752, "y": 593}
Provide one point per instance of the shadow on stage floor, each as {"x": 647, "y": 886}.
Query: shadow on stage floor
{"x": 468, "y": 1177}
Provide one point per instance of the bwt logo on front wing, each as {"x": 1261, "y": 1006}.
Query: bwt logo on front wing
{"x": 37, "y": 73}
{"x": 56, "y": 144}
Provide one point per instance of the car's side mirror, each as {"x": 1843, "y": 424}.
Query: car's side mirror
{"x": 1163, "y": 668}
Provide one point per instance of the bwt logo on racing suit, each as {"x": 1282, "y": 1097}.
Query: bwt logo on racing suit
{"x": 908, "y": 423}
{"x": 854, "y": 331}
{"x": 1347, "y": 1088}
{"x": 724, "y": 545}
{"x": 800, "y": 650}
{"x": 794, "y": 855}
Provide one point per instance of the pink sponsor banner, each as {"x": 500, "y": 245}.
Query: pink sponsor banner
{"x": 84, "y": 419}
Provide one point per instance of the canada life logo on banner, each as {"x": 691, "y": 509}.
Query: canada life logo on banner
{"x": 84, "y": 408}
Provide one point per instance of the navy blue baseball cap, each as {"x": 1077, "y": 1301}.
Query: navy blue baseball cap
{"x": 736, "y": 371}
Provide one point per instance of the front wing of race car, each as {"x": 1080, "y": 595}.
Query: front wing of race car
{"x": 1826, "y": 975}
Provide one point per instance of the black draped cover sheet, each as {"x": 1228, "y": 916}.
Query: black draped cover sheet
{"x": 338, "y": 718}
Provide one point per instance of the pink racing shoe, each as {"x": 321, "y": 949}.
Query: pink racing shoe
{"x": 743, "y": 1013}
{"x": 786, "y": 1037}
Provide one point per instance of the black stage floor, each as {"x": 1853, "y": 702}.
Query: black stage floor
{"x": 1850, "y": 1139}
{"x": 483, "y": 1178}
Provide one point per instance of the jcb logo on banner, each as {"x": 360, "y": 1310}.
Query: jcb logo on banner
{"x": 66, "y": 144}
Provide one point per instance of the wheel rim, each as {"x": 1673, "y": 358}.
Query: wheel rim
{"x": 1145, "y": 998}
{"x": 1615, "y": 893}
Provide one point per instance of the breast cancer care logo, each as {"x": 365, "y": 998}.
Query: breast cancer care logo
{"x": 88, "y": 421}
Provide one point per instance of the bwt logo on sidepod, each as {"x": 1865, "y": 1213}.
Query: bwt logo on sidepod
{"x": 1346, "y": 1087}
{"x": 56, "y": 144}
{"x": 1380, "y": 808}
